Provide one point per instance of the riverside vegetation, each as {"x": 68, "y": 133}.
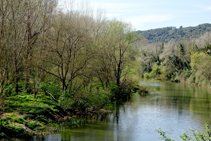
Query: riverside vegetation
{"x": 58, "y": 65}
{"x": 186, "y": 60}
{"x": 196, "y": 136}
{"x": 179, "y": 60}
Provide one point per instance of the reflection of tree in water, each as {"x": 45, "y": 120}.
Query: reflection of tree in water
{"x": 184, "y": 105}
{"x": 185, "y": 99}
{"x": 116, "y": 115}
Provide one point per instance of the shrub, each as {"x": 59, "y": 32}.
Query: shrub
{"x": 167, "y": 73}
{"x": 205, "y": 136}
{"x": 156, "y": 71}
{"x": 52, "y": 88}
{"x": 147, "y": 75}
{"x": 9, "y": 90}
{"x": 192, "y": 79}
{"x": 33, "y": 124}
{"x": 201, "y": 65}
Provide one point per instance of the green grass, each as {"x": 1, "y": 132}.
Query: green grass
{"x": 25, "y": 111}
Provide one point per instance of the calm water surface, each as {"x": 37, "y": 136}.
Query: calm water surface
{"x": 175, "y": 109}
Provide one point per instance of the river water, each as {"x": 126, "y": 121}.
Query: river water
{"x": 175, "y": 108}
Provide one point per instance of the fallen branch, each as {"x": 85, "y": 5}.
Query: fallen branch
{"x": 51, "y": 95}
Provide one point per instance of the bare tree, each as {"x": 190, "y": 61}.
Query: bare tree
{"x": 71, "y": 47}
{"x": 38, "y": 19}
{"x": 14, "y": 37}
{"x": 4, "y": 53}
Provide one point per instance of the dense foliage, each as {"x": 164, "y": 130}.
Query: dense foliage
{"x": 172, "y": 33}
{"x": 183, "y": 60}
{"x": 68, "y": 55}
{"x": 73, "y": 57}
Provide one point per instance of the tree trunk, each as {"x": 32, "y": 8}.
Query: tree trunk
{"x": 16, "y": 79}
{"x": 118, "y": 75}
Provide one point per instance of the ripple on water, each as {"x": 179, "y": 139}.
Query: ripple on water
{"x": 177, "y": 109}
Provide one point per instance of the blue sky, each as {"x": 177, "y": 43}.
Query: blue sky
{"x": 150, "y": 14}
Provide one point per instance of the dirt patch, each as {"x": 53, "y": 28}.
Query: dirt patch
{"x": 5, "y": 115}
{"x": 26, "y": 129}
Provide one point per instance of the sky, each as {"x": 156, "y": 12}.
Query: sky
{"x": 151, "y": 14}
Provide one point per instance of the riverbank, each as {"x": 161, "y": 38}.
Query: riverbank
{"x": 192, "y": 79}
{"x": 184, "y": 77}
{"x": 175, "y": 109}
{"x": 24, "y": 115}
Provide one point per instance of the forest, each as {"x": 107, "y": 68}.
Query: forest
{"x": 55, "y": 63}
{"x": 167, "y": 34}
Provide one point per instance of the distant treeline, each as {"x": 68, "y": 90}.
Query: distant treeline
{"x": 168, "y": 33}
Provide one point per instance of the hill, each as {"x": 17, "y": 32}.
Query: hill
{"x": 167, "y": 33}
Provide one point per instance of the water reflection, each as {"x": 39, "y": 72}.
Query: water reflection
{"x": 155, "y": 84}
{"x": 175, "y": 109}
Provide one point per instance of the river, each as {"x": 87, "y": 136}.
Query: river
{"x": 173, "y": 107}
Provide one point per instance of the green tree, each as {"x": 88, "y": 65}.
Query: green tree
{"x": 122, "y": 38}
{"x": 201, "y": 65}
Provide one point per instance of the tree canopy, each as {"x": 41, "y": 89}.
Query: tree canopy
{"x": 172, "y": 33}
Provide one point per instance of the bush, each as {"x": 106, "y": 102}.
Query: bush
{"x": 147, "y": 75}
{"x": 90, "y": 96}
{"x": 197, "y": 136}
{"x": 192, "y": 79}
{"x": 123, "y": 92}
{"x": 52, "y": 88}
{"x": 156, "y": 71}
{"x": 201, "y": 66}
{"x": 3, "y": 135}
{"x": 66, "y": 100}
{"x": 183, "y": 75}
{"x": 33, "y": 124}
{"x": 167, "y": 73}
{"x": 9, "y": 90}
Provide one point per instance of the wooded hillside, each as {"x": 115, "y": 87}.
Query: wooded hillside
{"x": 168, "y": 33}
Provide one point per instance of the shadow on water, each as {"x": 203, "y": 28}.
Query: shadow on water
{"x": 176, "y": 109}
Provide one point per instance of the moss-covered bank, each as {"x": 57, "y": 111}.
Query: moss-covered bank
{"x": 24, "y": 114}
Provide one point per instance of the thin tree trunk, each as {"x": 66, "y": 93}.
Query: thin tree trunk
{"x": 16, "y": 79}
